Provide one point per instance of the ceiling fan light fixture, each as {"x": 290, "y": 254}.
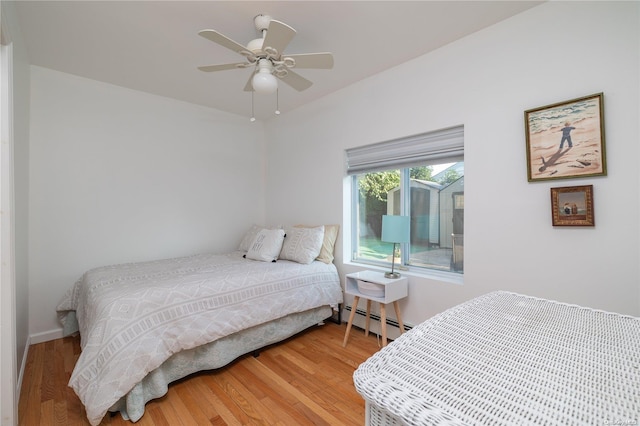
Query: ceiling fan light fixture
{"x": 264, "y": 82}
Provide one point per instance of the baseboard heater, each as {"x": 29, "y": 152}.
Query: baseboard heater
{"x": 390, "y": 321}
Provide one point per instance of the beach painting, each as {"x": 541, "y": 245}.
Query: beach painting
{"x": 572, "y": 206}
{"x": 566, "y": 139}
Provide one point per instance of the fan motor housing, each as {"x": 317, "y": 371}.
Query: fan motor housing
{"x": 255, "y": 45}
{"x": 262, "y": 22}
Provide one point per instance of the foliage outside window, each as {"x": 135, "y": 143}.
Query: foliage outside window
{"x": 433, "y": 201}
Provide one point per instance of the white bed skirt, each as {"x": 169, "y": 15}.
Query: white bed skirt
{"x": 214, "y": 355}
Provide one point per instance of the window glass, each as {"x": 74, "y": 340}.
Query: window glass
{"x": 432, "y": 196}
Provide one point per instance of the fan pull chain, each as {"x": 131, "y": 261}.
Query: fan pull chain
{"x": 253, "y": 117}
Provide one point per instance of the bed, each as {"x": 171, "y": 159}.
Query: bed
{"x": 145, "y": 325}
{"x": 508, "y": 359}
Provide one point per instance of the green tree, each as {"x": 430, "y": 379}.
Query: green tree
{"x": 449, "y": 177}
{"x": 377, "y": 185}
{"x": 421, "y": 173}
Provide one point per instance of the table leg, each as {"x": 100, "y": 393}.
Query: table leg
{"x": 356, "y": 299}
{"x": 383, "y": 323}
{"x": 367, "y": 319}
{"x": 396, "y": 305}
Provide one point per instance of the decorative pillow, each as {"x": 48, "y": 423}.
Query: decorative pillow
{"x": 249, "y": 237}
{"x": 328, "y": 243}
{"x": 302, "y": 245}
{"x": 266, "y": 245}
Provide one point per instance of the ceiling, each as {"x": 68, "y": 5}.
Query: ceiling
{"x": 153, "y": 46}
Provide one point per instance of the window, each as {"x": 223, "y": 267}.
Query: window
{"x": 421, "y": 177}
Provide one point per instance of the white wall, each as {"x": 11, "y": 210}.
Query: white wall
{"x": 122, "y": 176}
{"x": 554, "y": 52}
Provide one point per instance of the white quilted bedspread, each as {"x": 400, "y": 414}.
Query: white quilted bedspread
{"x": 132, "y": 317}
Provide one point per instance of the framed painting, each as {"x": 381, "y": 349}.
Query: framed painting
{"x": 566, "y": 139}
{"x": 572, "y": 206}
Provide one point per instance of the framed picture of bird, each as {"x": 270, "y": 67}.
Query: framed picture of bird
{"x": 566, "y": 139}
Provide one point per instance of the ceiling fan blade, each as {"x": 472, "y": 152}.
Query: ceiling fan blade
{"x": 278, "y": 36}
{"x": 296, "y": 81}
{"x": 222, "y": 67}
{"x": 222, "y": 40}
{"x": 322, "y": 60}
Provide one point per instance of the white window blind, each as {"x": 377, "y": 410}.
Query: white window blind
{"x": 440, "y": 146}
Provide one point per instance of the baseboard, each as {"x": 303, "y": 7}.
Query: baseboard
{"x": 45, "y": 336}
{"x": 375, "y": 317}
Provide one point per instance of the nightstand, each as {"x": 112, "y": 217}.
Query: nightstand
{"x": 378, "y": 289}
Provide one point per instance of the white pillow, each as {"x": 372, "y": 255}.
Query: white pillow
{"x": 302, "y": 245}
{"x": 329, "y": 242}
{"x": 266, "y": 245}
{"x": 249, "y": 237}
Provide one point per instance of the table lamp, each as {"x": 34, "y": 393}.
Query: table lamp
{"x": 395, "y": 229}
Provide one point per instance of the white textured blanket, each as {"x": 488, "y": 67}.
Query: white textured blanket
{"x": 132, "y": 317}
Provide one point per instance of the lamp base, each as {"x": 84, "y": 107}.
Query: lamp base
{"x": 392, "y": 275}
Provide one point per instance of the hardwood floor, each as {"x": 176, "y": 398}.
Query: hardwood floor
{"x": 306, "y": 380}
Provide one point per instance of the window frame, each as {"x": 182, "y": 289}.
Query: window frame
{"x": 448, "y": 147}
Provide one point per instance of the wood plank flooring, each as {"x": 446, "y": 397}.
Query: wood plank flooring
{"x": 306, "y": 380}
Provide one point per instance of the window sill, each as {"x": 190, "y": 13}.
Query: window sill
{"x": 431, "y": 274}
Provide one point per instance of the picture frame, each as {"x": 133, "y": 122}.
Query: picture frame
{"x": 572, "y": 206}
{"x": 566, "y": 139}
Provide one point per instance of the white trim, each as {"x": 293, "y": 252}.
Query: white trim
{"x": 45, "y": 336}
{"x": 408, "y": 271}
{"x": 8, "y": 364}
{"x": 23, "y": 365}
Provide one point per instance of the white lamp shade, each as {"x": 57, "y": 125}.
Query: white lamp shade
{"x": 264, "y": 82}
{"x": 395, "y": 229}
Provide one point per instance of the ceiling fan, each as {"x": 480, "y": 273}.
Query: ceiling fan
{"x": 266, "y": 55}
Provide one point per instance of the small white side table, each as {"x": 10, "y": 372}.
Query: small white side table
{"x": 394, "y": 290}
